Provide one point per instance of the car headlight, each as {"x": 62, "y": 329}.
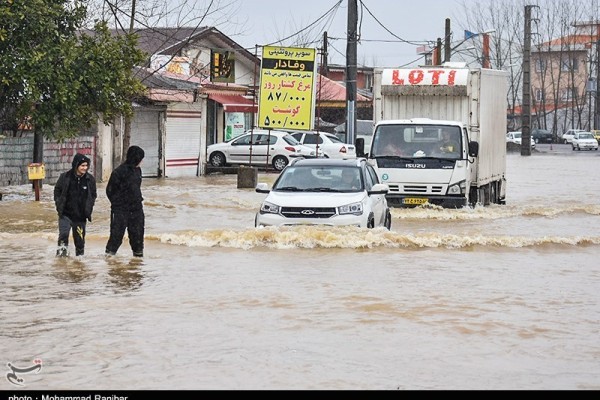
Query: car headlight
{"x": 458, "y": 188}
{"x": 354, "y": 208}
{"x": 269, "y": 208}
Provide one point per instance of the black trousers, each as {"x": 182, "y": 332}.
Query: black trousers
{"x": 133, "y": 222}
{"x": 65, "y": 224}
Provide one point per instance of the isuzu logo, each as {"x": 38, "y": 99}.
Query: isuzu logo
{"x": 416, "y": 166}
{"x": 307, "y": 212}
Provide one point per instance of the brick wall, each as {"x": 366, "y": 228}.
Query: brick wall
{"x": 16, "y": 154}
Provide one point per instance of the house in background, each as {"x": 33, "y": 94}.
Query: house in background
{"x": 562, "y": 82}
{"x": 200, "y": 83}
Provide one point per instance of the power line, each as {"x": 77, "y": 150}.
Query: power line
{"x": 384, "y": 27}
{"x": 335, "y": 7}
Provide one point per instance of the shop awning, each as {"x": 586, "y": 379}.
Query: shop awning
{"x": 234, "y": 102}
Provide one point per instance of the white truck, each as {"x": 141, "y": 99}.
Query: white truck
{"x": 440, "y": 135}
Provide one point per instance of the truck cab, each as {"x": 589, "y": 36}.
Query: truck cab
{"x": 424, "y": 161}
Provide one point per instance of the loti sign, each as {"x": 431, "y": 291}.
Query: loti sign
{"x": 287, "y": 87}
{"x": 425, "y": 76}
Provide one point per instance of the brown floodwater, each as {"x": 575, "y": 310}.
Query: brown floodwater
{"x": 501, "y": 297}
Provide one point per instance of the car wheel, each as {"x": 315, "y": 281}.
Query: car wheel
{"x": 573, "y": 147}
{"x": 279, "y": 163}
{"x": 388, "y": 220}
{"x": 217, "y": 159}
{"x": 371, "y": 221}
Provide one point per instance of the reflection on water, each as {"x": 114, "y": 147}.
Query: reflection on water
{"x": 125, "y": 276}
{"x": 72, "y": 269}
{"x": 499, "y": 297}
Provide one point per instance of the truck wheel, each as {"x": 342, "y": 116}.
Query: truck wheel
{"x": 493, "y": 196}
{"x": 473, "y": 197}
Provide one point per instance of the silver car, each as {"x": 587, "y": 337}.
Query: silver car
{"x": 584, "y": 141}
{"x": 330, "y": 144}
{"x": 259, "y": 147}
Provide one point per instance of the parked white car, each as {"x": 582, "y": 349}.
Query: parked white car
{"x": 331, "y": 145}
{"x": 567, "y": 137}
{"x": 584, "y": 141}
{"x": 515, "y": 137}
{"x": 259, "y": 147}
{"x": 325, "y": 192}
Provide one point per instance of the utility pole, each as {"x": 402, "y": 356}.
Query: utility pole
{"x": 324, "y": 66}
{"x": 447, "y": 48}
{"x": 351, "y": 63}
{"x": 526, "y": 107}
{"x": 597, "y": 102}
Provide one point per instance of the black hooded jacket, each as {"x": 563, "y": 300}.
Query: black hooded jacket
{"x": 74, "y": 195}
{"x": 124, "y": 186}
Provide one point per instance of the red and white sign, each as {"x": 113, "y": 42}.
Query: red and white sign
{"x": 425, "y": 77}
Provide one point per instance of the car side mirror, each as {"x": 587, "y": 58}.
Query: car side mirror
{"x": 262, "y": 188}
{"x": 360, "y": 147}
{"x": 379, "y": 188}
{"x": 473, "y": 149}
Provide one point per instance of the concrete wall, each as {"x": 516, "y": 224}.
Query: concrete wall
{"x": 16, "y": 154}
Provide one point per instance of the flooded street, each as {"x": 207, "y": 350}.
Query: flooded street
{"x": 502, "y": 297}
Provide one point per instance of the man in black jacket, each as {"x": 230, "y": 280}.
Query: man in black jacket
{"x": 126, "y": 204}
{"x": 74, "y": 196}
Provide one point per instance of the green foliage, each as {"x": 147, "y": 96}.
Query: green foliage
{"x": 57, "y": 79}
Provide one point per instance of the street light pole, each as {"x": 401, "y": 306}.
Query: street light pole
{"x": 351, "y": 65}
{"x": 597, "y": 102}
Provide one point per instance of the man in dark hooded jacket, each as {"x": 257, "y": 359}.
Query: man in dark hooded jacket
{"x": 126, "y": 204}
{"x": 74, "y": 196}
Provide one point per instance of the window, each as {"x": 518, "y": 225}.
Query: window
{"x": 539, "y": 95}
{"x": 568, "y": 64}
{"x": 568, "y": 94}
{"x": 540, "y": 65}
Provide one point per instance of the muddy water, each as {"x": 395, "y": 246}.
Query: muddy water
{"x": 503, "y": 297}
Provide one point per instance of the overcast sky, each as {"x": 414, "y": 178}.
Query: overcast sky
{"x": 417, "y": 21}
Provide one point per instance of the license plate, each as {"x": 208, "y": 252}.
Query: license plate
{"x": 414, "y": 200}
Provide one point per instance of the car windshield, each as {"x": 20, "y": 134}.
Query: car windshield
{"x": 517, "y": 135}
{"x": 291, "y": 140}
{"x": 413, "y": 141}
{"x": 586, "y": 136}
{"x": 334, "y": 139}
{"x": 320, "y": 179}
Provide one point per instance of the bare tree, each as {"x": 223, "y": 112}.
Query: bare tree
{"x": 558, "y": 88}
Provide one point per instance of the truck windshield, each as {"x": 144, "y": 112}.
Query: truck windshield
{"x": 414, "y": 141}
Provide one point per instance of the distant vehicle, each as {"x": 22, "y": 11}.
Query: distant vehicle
{"x": 364, "y": 130}
{"x": 330, "y": 144}
{"x": 515, "y": 137}
{"x": 542, "y": 136}
{"x": 273, "y": 147}
{"x": 325, "y": 192}
{"x": 584, "y": 141}
{"x": 596, "y": 133}
{"x": 567, "y": 136}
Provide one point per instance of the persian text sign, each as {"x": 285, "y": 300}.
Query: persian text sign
{"x": 286, "y": 95}
{"x": 425, "y": 76}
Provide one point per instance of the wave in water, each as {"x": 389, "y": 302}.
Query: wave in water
{"x": 355, "y": 238}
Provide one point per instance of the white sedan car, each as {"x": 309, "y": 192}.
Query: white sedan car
{"x": 259, "y": 147}
{"x": 325, "y": 191}
{"x": 331, "y": 145}
{"x": 584, "y": 141}
{"x": 515, "y": 137}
